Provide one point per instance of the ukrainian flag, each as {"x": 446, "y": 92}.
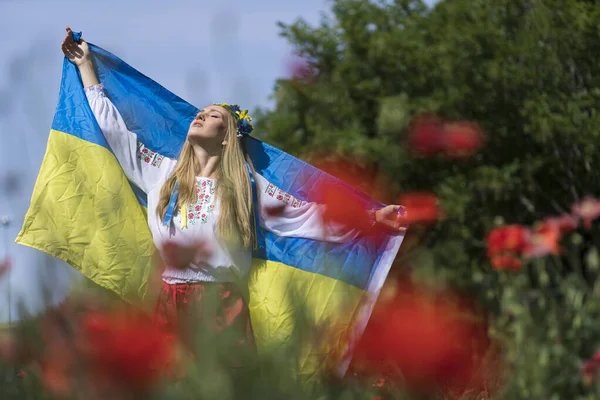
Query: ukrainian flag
{"x": 85, "y": 212}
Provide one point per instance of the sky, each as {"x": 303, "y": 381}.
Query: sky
{"x": 203, "y": 51}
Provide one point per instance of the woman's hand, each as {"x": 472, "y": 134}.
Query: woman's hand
{"x": 77, "y": 53}
{"x": 391, "y": 216}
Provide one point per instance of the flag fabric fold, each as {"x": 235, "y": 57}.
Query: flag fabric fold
{"x": 85, "y": 212}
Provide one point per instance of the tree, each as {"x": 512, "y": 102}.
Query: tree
{"x": 524, "y": 70}
{"x": 521, "y": 69}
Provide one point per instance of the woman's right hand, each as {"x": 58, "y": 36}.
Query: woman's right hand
{"x": 77, "y": 53}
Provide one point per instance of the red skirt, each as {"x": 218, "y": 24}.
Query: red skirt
{"x": 190, "y": 310}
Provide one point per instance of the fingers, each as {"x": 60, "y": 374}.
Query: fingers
{"x": 70, "y": 38}
{"x": 399, "y": 227}
{"x": 67, "y": 51}
{"x": 66, "y": 43}
{"x": 69, "y": 35}
{"x": 71, "y": 48}
{"x": 77, "y": 51}
{"x": 394, "y": 225}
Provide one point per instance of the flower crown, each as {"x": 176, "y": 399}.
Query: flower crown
{"x": 243, "y": 119}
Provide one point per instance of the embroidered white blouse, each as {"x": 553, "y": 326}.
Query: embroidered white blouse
{"x": 149, "y": 170}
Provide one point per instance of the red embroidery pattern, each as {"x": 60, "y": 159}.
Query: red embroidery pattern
{"x": 204, "y": 205}
{"x": 157, "y": 160}
{"x": 148, "y": 156}
{"x": 274, "y": 191}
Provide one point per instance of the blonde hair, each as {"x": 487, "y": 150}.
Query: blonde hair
{"x": 235, "y": 223}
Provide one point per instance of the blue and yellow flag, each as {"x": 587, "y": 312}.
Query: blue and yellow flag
{"x": 85, "y": 212}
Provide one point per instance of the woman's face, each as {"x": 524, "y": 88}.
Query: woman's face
{"x": 210, "y": 123}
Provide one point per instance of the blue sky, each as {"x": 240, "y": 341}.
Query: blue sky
{"x": 202, "y": 51}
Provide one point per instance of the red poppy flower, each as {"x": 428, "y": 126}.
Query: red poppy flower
{"x": 125, "y": 348}
{"x": 300, "y": 69}
{"x": 506, "y": 261}
{"x": 342, "y": 206}
{"x": 566, "y": 223}
{"x": 544, "y": 240}
{"x": 588, "y": 210}
{"x": 590, "y": 369}
{"x": 462, "y": 139}
{"x": 181, "y": 256}
{"x": 421, "y": 208}
{"x": 57, "y": 378}
{"x": 342, "y": 200}
{"x": 509, "y": 238}
{"x": 5, "y": 266}
{"x": 434, "y": 340}
{"x": 425, "y": 136}
{"x": 57, "y": 369}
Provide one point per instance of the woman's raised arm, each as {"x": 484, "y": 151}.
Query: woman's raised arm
{"x": 142, "y": 166}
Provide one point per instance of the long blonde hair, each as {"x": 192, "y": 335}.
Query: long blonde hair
{"x": 235, "y": 223}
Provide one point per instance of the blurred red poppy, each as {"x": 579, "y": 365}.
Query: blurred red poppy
{"x": 544, "y": 240}
{"x": 462, "y": 139}
{"x": 126, "y": 348}
{"x": 434, "y": 340}
{"x": 565, "y": 223}
{"x": 509, "y": 238}
{"x": 506, "y": 261}
{"x": 5, "y": 266}
{"x": 344, "y": 205}
{"x": 429, "y": 135}
{"x": 300, "y": 70}
{"x": 8, "y": 347}
{"x": 587, "y": 210}
{"x": 590, "y": 369}
{"x": 181, "y": 256}
{"x": 380, "y": 382}
{"x": 420, "y": 207}
{"x": 57, "y": 367}
{"x": 425, "y": 136}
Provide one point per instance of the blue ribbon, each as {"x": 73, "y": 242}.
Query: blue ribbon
{"x": 171, "y": 208}
{"x": 260, "y": 237}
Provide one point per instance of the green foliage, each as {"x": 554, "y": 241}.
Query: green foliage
{"x": 526, "y": 72}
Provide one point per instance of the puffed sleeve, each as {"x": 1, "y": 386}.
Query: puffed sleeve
{"x": 144, "y": 167}
{"x": 295, "y": 218}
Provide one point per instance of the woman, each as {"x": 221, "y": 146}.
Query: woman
{"x": 200, "y": 207}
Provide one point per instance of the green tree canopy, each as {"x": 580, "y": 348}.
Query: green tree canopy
{"x": 522, "y": 69}
{"x": 527, "y": 72}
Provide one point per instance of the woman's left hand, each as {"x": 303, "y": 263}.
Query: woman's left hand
{"x": 391, "y": 216}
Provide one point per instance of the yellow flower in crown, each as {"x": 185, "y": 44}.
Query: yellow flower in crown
{"x": 243, "y": 119}
{"x": 244, "y": 115}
